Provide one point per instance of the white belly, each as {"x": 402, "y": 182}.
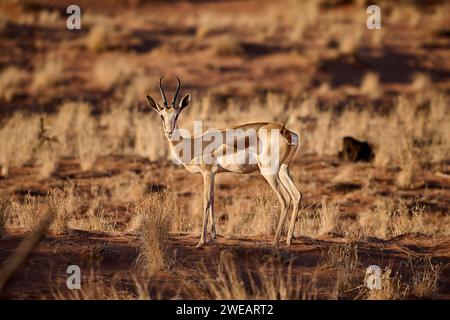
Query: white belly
{"x": 240, "y": 162}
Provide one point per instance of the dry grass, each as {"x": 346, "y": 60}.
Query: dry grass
{"x": 424, "y": 277}
{"x": 389, "y": 218}
{"x": 409, "y": 137}
{"x": 280, "y": 283}
{"x": 11, "y": 81}
{"x": 421, "y": 83}
{"x": 46, "y": 151}
{"x": 350, "y": 41}
{"x": 47, "y": 74}
{"x": 377, "y": 38}
{"x": 392, "y": 288}
{"x": 18, "y": 137}
{"x": 309, "y": 13}
{"x": 127, "y": 187}
{"x": 95, "y": 288}
{"x": 133, "y": 93}
{"x": 75, "y": 132}
{"x": 112, "y": 72}
{"x": 227, "y": 45}
{"x": 47, "y": 162}
{"x": 47, "y": 18}
{"x": 154, "y": 232}
{"x": 96, "y": 217}
{"x": 4, "y": 213}
{"x": 411, "y": 133}
{"x": 329, "y": 218}
{"x": 4, "y": 20}
{"x": 346, "y": 179}
{"x": 19, "y": 255}
{"x": 374, "y": 222}
{"x": 370, "y": 86}
{"x": 264, "y": 213}
{"x": 419, "y": 281}
{"x": 87, "y": 140}
{"x": 148, "y": 140}
{"x": 207, "y": 25}
{"x": 255, "y": 216}
{"x": 27, "y": 215}
{"x": 406, "y": 175}
{"x": 97, "y": 39}
{"x": 403, "y": 220}
{"x": 321, "y": 221}
{"x": 343, "y": 259}
{"x": 63, "y": 203}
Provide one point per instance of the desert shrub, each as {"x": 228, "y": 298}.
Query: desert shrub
{"x": 29, "y": 213}
{"x": 154, "y": 230}
{"x": 62, "y": 203}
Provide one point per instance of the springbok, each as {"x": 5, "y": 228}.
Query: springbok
{"x": 255, "y": 150}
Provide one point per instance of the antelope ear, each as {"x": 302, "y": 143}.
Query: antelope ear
{"x": 152, "y": 103}
{"x": 185, "y": 102}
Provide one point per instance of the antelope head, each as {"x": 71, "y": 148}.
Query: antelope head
{"x": 169, "y": 113}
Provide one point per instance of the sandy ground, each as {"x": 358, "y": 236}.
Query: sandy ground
{"x": 112, "y": 254}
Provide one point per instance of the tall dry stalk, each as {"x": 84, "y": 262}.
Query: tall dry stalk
{"x": 23, "y": 250}
{"x": 5, "y": 204}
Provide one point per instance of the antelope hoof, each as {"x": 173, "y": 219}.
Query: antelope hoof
{"x": 200, "y": 243}
{"x": 288, "y": 241}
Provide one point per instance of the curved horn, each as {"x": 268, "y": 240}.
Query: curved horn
{"x": 162, "y": 92}
{"x": 176, "y": 93}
